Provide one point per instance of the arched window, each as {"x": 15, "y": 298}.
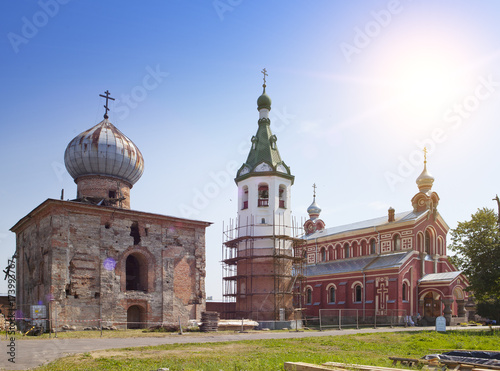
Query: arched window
{"x": 136, "y": 273}
{"x": 346, "y": 250}
{"x": 397, "y": 242}
{"x": 420, "y": 242}
{"x": 358, "y": 291}
{"x": 282, "y": 196}
{"x": 309, "y": 296}
{"x": 363, "y": 248}
{"x": 244, "y": 198}
{"x": 331, "y": 253}
{"x": 331, "y": 294}
{"x": 323, "y": 254}
{"x": 427, "y": 242}
{"x": 404, "y": 295}
{"x": 373, "y": 246}
{"x": 263, "y": 195}
{"x": 355, "y": 249}
{"x": 440, "y": 246}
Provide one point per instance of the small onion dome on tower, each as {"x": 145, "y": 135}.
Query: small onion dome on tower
{"x": 314, "y": 210}
{"x": 425, "y": 180}
{"x": 425, "y": 199}
{"x": 264, "y": 101}
{"x": 314, "y": 224}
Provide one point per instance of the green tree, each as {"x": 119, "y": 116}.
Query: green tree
{"x": 477, "y": 244}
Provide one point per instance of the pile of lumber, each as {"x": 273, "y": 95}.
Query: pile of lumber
{"x": 329, "y": 366}
{"x": 336, "y": 366}
{"x": 209, "y": 321}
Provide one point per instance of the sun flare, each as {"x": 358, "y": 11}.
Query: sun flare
{"x": 423, "y": 84}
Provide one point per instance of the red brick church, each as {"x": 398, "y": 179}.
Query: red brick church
{"x": 395, "y": 265}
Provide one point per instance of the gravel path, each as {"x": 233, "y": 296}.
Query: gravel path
{"x": 34, "y": 353}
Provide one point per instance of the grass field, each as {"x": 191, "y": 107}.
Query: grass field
{"x": 263, "y": 355}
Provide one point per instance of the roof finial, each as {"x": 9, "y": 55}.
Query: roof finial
{"x": 425, "y": 155}
{"x": 106, "y": 105}
{"x": 314, "y": 192}
{"x": 264, "y": 72}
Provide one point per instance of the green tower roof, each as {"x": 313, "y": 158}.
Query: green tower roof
{"x": 264, "y": 157}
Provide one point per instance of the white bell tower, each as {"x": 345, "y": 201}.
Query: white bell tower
{"x": 263, "y": 246}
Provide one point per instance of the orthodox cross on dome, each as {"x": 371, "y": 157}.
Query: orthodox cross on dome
{"x": 314, "y": 191}
{"x": 425, "y": 155}
{"x": 106, "y": 105}
{"x": 264, "y": 72}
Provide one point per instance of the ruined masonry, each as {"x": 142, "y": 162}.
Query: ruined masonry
{"x": 93, "y": 258}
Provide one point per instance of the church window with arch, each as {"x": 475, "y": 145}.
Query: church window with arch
{"x": 308, "y": 295}
{"x": 373, "y": 246}
{"x": 404, "y": 294}
{"x": 397, "y": 242}
{"x": 427, "y": 242}
{"x": 358, "y": 294}
{"x": 331, "y": 294}
{"x": 282, "y": 196}
{"x": 346, "y": 250}
{"x": 244, "y": 198}
{"x": 263, "y": 195}
{"x": 136, "y": 273}
{"x": 363, "y": 248}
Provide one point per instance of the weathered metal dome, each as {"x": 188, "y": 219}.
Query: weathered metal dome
{"x": 104, "y": 150}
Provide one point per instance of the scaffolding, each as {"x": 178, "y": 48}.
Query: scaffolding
{"x": 264, "y": 283}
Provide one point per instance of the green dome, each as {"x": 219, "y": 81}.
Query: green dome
{"x": 264, "y": 101}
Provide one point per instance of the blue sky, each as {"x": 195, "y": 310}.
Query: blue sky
{"x": 358, "y": 89}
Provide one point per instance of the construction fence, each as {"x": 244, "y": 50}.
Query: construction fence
{"x": 357, "y": 318}
{"x": 35, "y": 319}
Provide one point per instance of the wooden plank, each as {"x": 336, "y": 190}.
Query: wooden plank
{"x": 470, "y": 364}
{"x": 302, "y": 366}
{"x": 360, "y": 367}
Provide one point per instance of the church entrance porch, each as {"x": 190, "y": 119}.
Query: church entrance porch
{"x": 431, "y": 308}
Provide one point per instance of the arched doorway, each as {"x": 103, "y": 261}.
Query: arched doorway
{"x": 432, "y": 306}
{"x": 135, "y": 317}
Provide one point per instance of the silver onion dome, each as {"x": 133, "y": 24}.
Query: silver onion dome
{"x": 314, "y": 209}
{"x": 104, "y": 150}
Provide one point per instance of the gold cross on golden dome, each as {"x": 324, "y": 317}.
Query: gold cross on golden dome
{"x": 425, "y": 155}
{"x": 106, "y": 105}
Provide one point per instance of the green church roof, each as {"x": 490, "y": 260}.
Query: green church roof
{"x": 264, "y": 157}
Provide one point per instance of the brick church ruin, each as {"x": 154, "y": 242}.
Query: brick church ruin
{"x": 93, "y": 258}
